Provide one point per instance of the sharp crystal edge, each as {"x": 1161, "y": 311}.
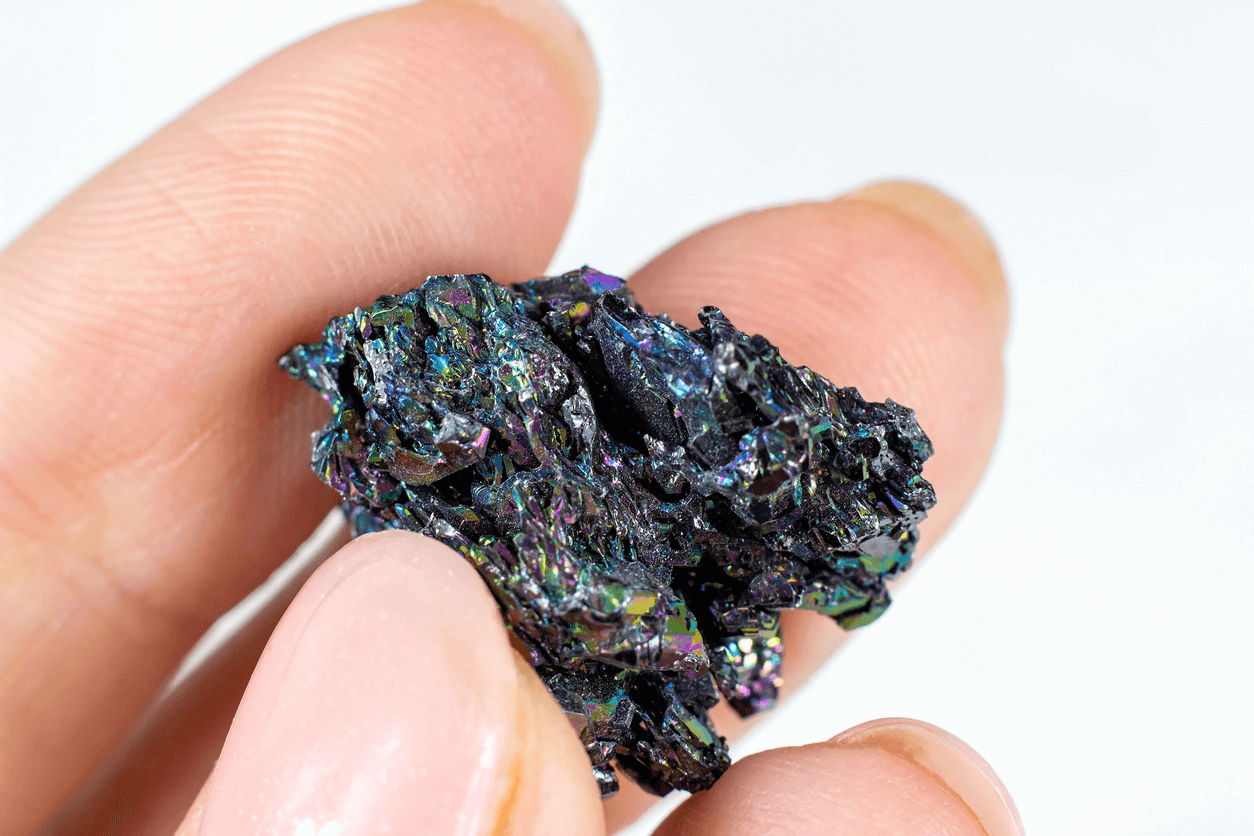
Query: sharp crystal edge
{"x": 642, "y": 499}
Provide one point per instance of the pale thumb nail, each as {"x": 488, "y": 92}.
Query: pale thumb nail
{"x": 947, "y": 759}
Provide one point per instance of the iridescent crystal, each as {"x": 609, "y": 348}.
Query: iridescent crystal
{"x": 642, "y": 499}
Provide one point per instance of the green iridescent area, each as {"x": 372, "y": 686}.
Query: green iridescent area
{"x": 642, "y": 499}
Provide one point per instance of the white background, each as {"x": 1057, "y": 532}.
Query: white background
{"x": 1087, "y": 624}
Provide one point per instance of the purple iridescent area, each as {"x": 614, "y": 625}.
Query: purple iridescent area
{"x": 642, "y": 499}
{"x": 601, "y": 282}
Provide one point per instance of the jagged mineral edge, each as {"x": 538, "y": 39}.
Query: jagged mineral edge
{"x": 642, "y": 499}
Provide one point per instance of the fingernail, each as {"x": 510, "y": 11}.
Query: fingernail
{"x": 553, "y": 26}
{"x": 947, "y": 759}
{"x": 385, "y": 702}
{"x": 947, "y": 219}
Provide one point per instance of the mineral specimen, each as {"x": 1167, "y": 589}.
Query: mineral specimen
{"x": 642, "y": 499}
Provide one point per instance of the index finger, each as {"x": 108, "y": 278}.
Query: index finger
{"x": 154, "y": 466}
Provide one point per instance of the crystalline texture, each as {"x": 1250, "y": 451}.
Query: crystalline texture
{"x": 642, "y": 499}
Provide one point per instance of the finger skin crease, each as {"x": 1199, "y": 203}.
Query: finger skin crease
{"x": 509, "y": 819}
{"x": 506, "y": 823}
{"x": 73, "y": 547}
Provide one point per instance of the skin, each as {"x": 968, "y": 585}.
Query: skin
{"x": 167, "y": 473}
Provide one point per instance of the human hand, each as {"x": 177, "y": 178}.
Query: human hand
{"x": 166, "y": 474}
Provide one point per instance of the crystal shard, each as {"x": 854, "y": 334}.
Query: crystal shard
{"x": 642, "y": 499}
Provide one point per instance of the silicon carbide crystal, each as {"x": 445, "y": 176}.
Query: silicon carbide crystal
{"x": 642, "y": 499}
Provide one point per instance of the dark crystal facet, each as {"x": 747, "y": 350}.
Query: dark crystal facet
{"x": 642, "y": 499}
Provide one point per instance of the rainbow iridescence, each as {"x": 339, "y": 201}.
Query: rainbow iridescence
{"x": 642, "y": 499}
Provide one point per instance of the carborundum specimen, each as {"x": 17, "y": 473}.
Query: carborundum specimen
{"x": 642, "y": 499}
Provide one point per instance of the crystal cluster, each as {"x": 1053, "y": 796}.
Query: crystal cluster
{"x": 642, "y": 499}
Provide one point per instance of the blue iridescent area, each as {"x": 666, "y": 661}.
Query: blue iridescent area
{"x": 642, "y": 499}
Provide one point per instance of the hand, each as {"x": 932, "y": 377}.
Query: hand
{"x": 154, "y": 464}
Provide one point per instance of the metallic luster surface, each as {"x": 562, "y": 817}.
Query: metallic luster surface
{"x": 642, "y": 499}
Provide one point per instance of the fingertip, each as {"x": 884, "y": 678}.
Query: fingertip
{"x": 817, "y": 790}
{"x": 948, "y": 759}
{"x": 452, "y": 590}
{"x": 885, "y": 778}
{"x": 951, "y": 222}
{"x": 389, "y": 700}
{"x": 386, "y": 697}
{"x": 559, "y": 34}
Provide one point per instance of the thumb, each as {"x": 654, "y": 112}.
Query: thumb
{"x": 389, "y": 700}
{"x": 893, "y": 777}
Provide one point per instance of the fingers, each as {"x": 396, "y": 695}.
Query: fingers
{"x": 154, "y": 463}
{"x": 389, "y": 700}
{"x": 894, "y": 290}
{"x": 939, "y": 215}
{"x": 885, "y": 778}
